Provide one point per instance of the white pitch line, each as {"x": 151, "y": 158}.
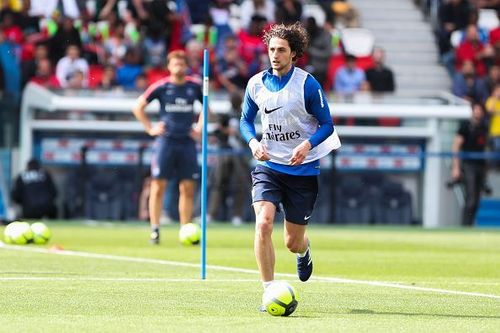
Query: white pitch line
{"x": 242, "y": 270}
{"x": 165, "y": 280}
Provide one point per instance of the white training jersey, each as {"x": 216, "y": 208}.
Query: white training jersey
{"x": 285, "y": 120}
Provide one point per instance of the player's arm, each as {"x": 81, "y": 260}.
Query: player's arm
{"x": 139, "y": 111}
{"x": 247, "y": 128}
{"x": 317, "y": 105}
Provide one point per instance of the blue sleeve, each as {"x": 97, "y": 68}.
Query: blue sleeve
{"x": 317, "y": 105}
{"x": 248, "y": 114}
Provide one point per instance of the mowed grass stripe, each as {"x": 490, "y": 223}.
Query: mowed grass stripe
{"x": 242, "y": 270}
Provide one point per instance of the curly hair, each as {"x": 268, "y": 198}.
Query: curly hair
{"x": 295, "y": 34}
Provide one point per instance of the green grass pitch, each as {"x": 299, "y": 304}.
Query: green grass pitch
{"x": 370, "y": 279}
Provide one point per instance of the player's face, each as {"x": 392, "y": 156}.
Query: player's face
{"x": 177, "y": 67}
{"x": 280, "y": 55}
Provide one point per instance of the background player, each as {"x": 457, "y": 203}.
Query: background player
{"x": 174, "y": 153}
{"x": 297, "y": 130}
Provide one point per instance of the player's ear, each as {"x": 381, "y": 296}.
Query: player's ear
{"x": 294, "y": 55}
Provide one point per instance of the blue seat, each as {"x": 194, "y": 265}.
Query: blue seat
{"x": 393, "y": 205}
{"x": 352, "y": 201}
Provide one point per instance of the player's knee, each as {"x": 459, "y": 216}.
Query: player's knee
{"x": 264, "y": 227}
{"x": 293, "y": 244}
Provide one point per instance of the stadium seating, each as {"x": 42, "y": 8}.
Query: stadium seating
{"x": 103, "y": 196}
{"x": 352, "y": 201}
{"x": 392, "y": 205}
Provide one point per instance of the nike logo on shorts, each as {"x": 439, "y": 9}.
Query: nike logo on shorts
{"x": 271, "y": 110}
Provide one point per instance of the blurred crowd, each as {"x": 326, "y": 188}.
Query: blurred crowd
{"x": 470, "y": 49}
{"x": 108, "y": 44}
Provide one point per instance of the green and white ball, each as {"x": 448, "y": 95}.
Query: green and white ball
{"x": 280, "y": 299}
{"x": 190, "y": 234}
{"x": 18, "y": 233}
{"x": 41, "y": 233}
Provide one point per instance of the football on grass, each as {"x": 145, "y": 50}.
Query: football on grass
{"x": 18, "y": 233}
{"x": 280, "y": 299}
{"x": 41, "y": 233}
{"x": 190, "y": 234}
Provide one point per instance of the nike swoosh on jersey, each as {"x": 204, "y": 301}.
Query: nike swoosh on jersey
{"x": 271, "y": 110}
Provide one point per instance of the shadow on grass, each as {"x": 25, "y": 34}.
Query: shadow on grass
{"x": 371, "y": 312}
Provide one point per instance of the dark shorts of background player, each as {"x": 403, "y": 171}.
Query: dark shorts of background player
{"x": 174, "y": 158}
{"x": 297, "y": 194}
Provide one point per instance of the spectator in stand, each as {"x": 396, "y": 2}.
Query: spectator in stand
{"x": 380, "y": 78}
{"x": 288, "y": 11}
{"x": 70, "y": 64}
{"x": 493, "y": 110}
{"x": 492, "y": 79}
{"x": 453, "y": 15}
{"x": 471, "y": 137}
{"x": 472, "y": 49}
{"x": 10, "y": 66}
{"x": 66, "y": 35}
{"x": 141, "y": 82}
{"x": 10, "y": 26}
{"x": 77, "y": 81}
{"x": 44, "y": 75}
{"x": 198, "y": 10}
{"x": 30, "y": 67}
{"x": 252, "y": 48}
{"x": 35, "y": 192}
{"x": 318, "y": 51}
{"x": 467, "y": 85}
{"x": 155, "y": 48}
{"x": 494, "y": 36}
{"x": 349, "y": 78}
{"x": 345, "y": 14}
{"x": 127, "y": 73}
{"x": 231, "y": 72}
{"x": 251, "y": 8}
{"x": 220, "y": 14}
{"x": 115, "y": 46}
{"x": 108, "y": 81}
{"x": 194, "y": 55}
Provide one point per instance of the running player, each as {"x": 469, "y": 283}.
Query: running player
{"x": 297, "y": 130}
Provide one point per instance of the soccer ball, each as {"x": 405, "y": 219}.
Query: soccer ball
{"x": 189, "y": 234}
{"x": 280, "y": 299}
{"x": 18, "y": 233}
{"x": 41, "y": 233}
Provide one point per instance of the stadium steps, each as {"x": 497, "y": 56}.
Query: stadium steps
{"x": 400, "y": 28}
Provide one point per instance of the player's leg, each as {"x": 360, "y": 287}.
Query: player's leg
{"x": 298, "y": 203}
{"x": 296, "y": 239}
{"x": 263, "y": 244}
{"x": 160, "y": 171}
{"x": 188, "y": 171}
{"x": 187, "y": 188}
{"x": 155, "y": 206}
{"x": 266, "y": 195}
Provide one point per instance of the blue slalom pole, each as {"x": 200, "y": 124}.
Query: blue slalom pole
{"x": 204, "y": 143}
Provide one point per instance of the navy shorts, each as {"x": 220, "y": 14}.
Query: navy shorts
{"x": 297, "y": 194}
{"x": 174, "y": 158}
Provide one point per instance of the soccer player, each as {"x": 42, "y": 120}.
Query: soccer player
{"x": 174, "y": 153}
{"x": 297, "y": 130}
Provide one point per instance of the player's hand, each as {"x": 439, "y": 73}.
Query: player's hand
{"x": 195, "y": 135}
{"x": 300, "y": 152}
{"x": 158, "y": 129}
{"x": 455, "y": 173}
{"x": 259, "y": 151}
